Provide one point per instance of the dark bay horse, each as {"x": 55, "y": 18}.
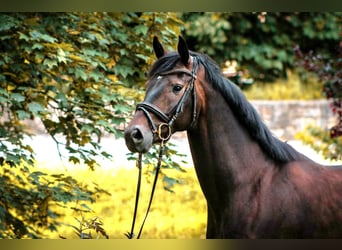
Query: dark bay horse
{"x": 255, "y": 185}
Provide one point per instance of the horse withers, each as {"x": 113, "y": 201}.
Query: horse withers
{"x": 255, "y": 185}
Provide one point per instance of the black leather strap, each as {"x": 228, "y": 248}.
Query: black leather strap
{"x": 154, "y": 110}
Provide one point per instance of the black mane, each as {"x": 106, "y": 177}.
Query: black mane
{"x": 243, "y": 110}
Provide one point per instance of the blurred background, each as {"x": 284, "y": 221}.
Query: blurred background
{"x": 69, "y": 83}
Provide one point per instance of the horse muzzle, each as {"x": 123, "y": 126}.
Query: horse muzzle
{"x": 138, "y": 138}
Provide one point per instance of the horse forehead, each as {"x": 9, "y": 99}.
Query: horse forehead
{"x": 154, "y": 83}
{"x": 158, "y": 81}
{"x": 154, "y": 89}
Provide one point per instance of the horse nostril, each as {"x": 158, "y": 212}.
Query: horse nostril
{"x": 136, "y": 134}
{"x": 138, "y": 139}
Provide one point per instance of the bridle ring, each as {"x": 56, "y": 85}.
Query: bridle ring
{"x": 160, "y": 134}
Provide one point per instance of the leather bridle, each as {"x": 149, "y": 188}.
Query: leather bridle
{"x": 167, "y": 122}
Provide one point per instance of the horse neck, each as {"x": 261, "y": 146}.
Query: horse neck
{"x": 224, "y": 154}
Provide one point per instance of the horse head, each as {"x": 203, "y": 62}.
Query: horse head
{"x": 170, "y": 101}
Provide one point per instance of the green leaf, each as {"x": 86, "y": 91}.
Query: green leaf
{"x": 123, "y": 70}
{"x": 23, "y": 114}
{"x": 36, "y": 108}
{"x": 24, "y": 37}
{"x": 141, "y": 29}
{"x": 38, "y": 36}
{"x": 8, "y": 23}
{"x": 37, "y": 46}
{"x": 17, "y": 97}
{"x": 122, "y": 108}
{"x": 86, "y": 206}
{"x": 50, "y": 63}
{"x": 169, "y": 183}
{"x": 3, "y": 100}
{"x": 4, "y": 92}
{"x": 36, "y": 176}
{"x": 62, "y": 100}
{"x": 144, "y": 57}
{"x": 74, "y": 160}
{"x": 61, "y": 56}
{"x": 80, "y": 73}
{"x": 96, "y": 75}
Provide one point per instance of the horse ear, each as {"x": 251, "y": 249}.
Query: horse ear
{"x": 183, "y": 51}
{"x": 158, "y": 48}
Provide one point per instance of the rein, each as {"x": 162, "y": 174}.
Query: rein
{"x": 167, "y": 122}
{"x": 131, "y": 235}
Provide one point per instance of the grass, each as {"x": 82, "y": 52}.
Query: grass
{"x": 292, "y": 88}
{"x": 178, "y": 215}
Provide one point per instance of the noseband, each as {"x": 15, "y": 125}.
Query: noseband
{"x": 168, "y": 120}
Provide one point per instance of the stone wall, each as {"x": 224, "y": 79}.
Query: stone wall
{"x": 286, "y": 118}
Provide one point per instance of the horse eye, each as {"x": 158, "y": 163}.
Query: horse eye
{"x": 176, "y": 88}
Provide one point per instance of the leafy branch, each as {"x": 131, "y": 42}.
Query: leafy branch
{"x": 87, "y": 226}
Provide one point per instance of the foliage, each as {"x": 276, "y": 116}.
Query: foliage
{"x": 329, "y": 72}
{"x": 321, "y": 141}
{"x": 328, "y": 69}
{"x": 261, "y": 43}
{"x": 292, "y": 88}
{"x": 86, "y": 226}
{"x": 30, "y": 198}
{"x": 74, "y": 72}
{"x": 77, "y": 74}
